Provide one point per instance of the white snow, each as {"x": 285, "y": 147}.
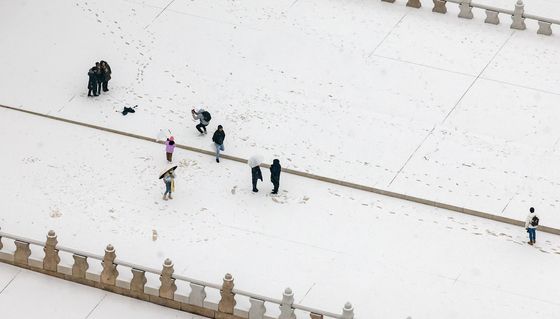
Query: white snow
{"x": 375, "y": 93}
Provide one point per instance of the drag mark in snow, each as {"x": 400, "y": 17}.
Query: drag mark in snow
{"x": 14, "y": 277}
{"x": 157, "y": 16}
{"x": 92, "y": 310}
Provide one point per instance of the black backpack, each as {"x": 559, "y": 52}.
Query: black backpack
{"x": 535, "y": 221}
{"x": 206, "y": 115}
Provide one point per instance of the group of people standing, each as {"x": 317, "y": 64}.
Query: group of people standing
{"x": 204, "y": 118}
{"x": 99, "y": 76}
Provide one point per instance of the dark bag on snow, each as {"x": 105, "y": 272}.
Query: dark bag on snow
{"x": 206, "y": 115}
{"x": 535, "y": 221}
{"x": 127, "y": 110}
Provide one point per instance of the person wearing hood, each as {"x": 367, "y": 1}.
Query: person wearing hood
{"x": 169, "y": 148}
{"x": 531, "y": 224}
{"x": 204, "y": 117}
{"x": 256, "y": 174}
{"x": 275, "y": 170}
{"x": 106, "y": 72}
{"x": 218, "y": 139}
{"x": 92, "y": 82}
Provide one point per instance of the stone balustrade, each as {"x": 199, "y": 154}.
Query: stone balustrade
{"x": 111, "y": 278}
{"x": 518, "y": 15}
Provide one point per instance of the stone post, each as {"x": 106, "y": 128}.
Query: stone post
{"x": 197, "y": 296}
{"x": 492, "y": 17}
{"x": 138, "y": 281}
{"x": 518, "y": 22}
{"x": 414, "y": 3}
{"x": 80, "y": 266}
{"x": 544, "y": 28}
{"x": 315, "y": 316}
{"x": 465, "y": 9}
{"x": 257, "y": 309}
{"x": 109, "y": 273}
{"x": 286, "y": 310}
{"x": 168, "y": 287}
{"x": 22, "y": 253}
{"x": 227, "y": 303}
{"x": 1, "y": 246}
{"x": 51, "y": 260}
{"x": 348, "y": 311}
{"x": 439, "y": 6}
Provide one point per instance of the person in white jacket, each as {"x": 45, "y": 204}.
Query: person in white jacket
{"x": 531, "y": 224}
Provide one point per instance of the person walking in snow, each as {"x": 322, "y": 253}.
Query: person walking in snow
{"x": 531, "y": 224}
{"x": 218, "y": 139}
{"x": 98, "y": 77}
{"x": 275, "y": 170}
{"x": 92, "y": 82}
{"x": 169, "y": 148}
{"x": 169, "y": 181}
{"x": 204, "y": 117}
{"x": 256, "y": 174}
{"x": 106, "y": 74}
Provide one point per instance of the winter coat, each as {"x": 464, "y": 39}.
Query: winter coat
{"x": 256, "y": 173}
{"x": 219, "y": 137}
{"x": 98, "y": 74}
{"x": 275, "y": 170}
{"x": 528, "y": 220}
{"x": 169, "y": 146}
{"x": 198, "y": 116}
{"x": 92, "y": 82}
{"x": 105, "y": 71}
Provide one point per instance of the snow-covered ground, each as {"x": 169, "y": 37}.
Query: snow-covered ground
{"x": 366, "y": 91}
{"x": 54, "y": 298}
{"x": 376, "y": 93}
{"x": 330, "y": 244}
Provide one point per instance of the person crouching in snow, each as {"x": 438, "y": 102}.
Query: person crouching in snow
{"x": 531, "y": 224}
{"x": 169, "y": 181}
{"x": 256, "y": 174}
{"x": 169, "y": 148}
{"x": 218, "y": 139}
{"x": 275, "y": 170}
{"x": 204, "y": 117}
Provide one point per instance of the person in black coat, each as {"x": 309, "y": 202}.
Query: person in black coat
{"x": 98, "y": 76}
{"x": 275, "y": 170}
{"x": 106, "y": 74}
{"x": 92, "y": 82}
{"x": 256, "y": 174}
{"x": 218, "y": 139}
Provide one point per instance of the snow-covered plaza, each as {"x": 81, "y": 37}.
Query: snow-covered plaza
{"x": 374, "y": 93}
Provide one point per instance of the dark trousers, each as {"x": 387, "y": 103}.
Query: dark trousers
{"x": 105, "y": 84}
{"x": 255, "y": 183}
{"x": 92, "y": 91}
{"x": 169, "y": 156}
{"x": 200, "y": 127}
{"x": 276, "y": 186}
{"x": 98, "y": 87}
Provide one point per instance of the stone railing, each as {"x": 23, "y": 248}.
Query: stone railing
{"x": 518, "y": 14}
{"x": 109, "y": 274}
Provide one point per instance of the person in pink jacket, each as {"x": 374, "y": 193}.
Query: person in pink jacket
{"x": 169, "y": 148}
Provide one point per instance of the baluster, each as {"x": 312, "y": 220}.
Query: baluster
{"x": 414, "y": 3}
{"x": 466, "y": 9}
{"x": 315, "y": 316}
{"x": 138, "y": 281}
{"x": 197, "y": 295}
{"x": 110, "y": 272}
{"x": 544, "y": 28}
{"x": 51, "y": 260}
{"x": 168, "y": 287}
{"x": 348, "y": 311}
{"x": 286, "y": 309}
{"x": 80, "y": 266}
{"x": 22, "y": 253}
{"x": 518, "y": 22}
{"x": 439, "y": 6}
{"x": 227, "y": 303}
{"x": 492, "y": 17}
{"x": 257, "y": 309}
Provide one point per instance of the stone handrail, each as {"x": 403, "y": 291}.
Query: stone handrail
{"x": 108, "y": 279}
{"x": 518, "y": 14}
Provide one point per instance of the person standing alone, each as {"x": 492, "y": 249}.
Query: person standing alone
{"x": 218, "y": 139}
{"x": 275, "y": 170}
{"x": 169, "y": 148}
{"x": 531, "y": 224}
